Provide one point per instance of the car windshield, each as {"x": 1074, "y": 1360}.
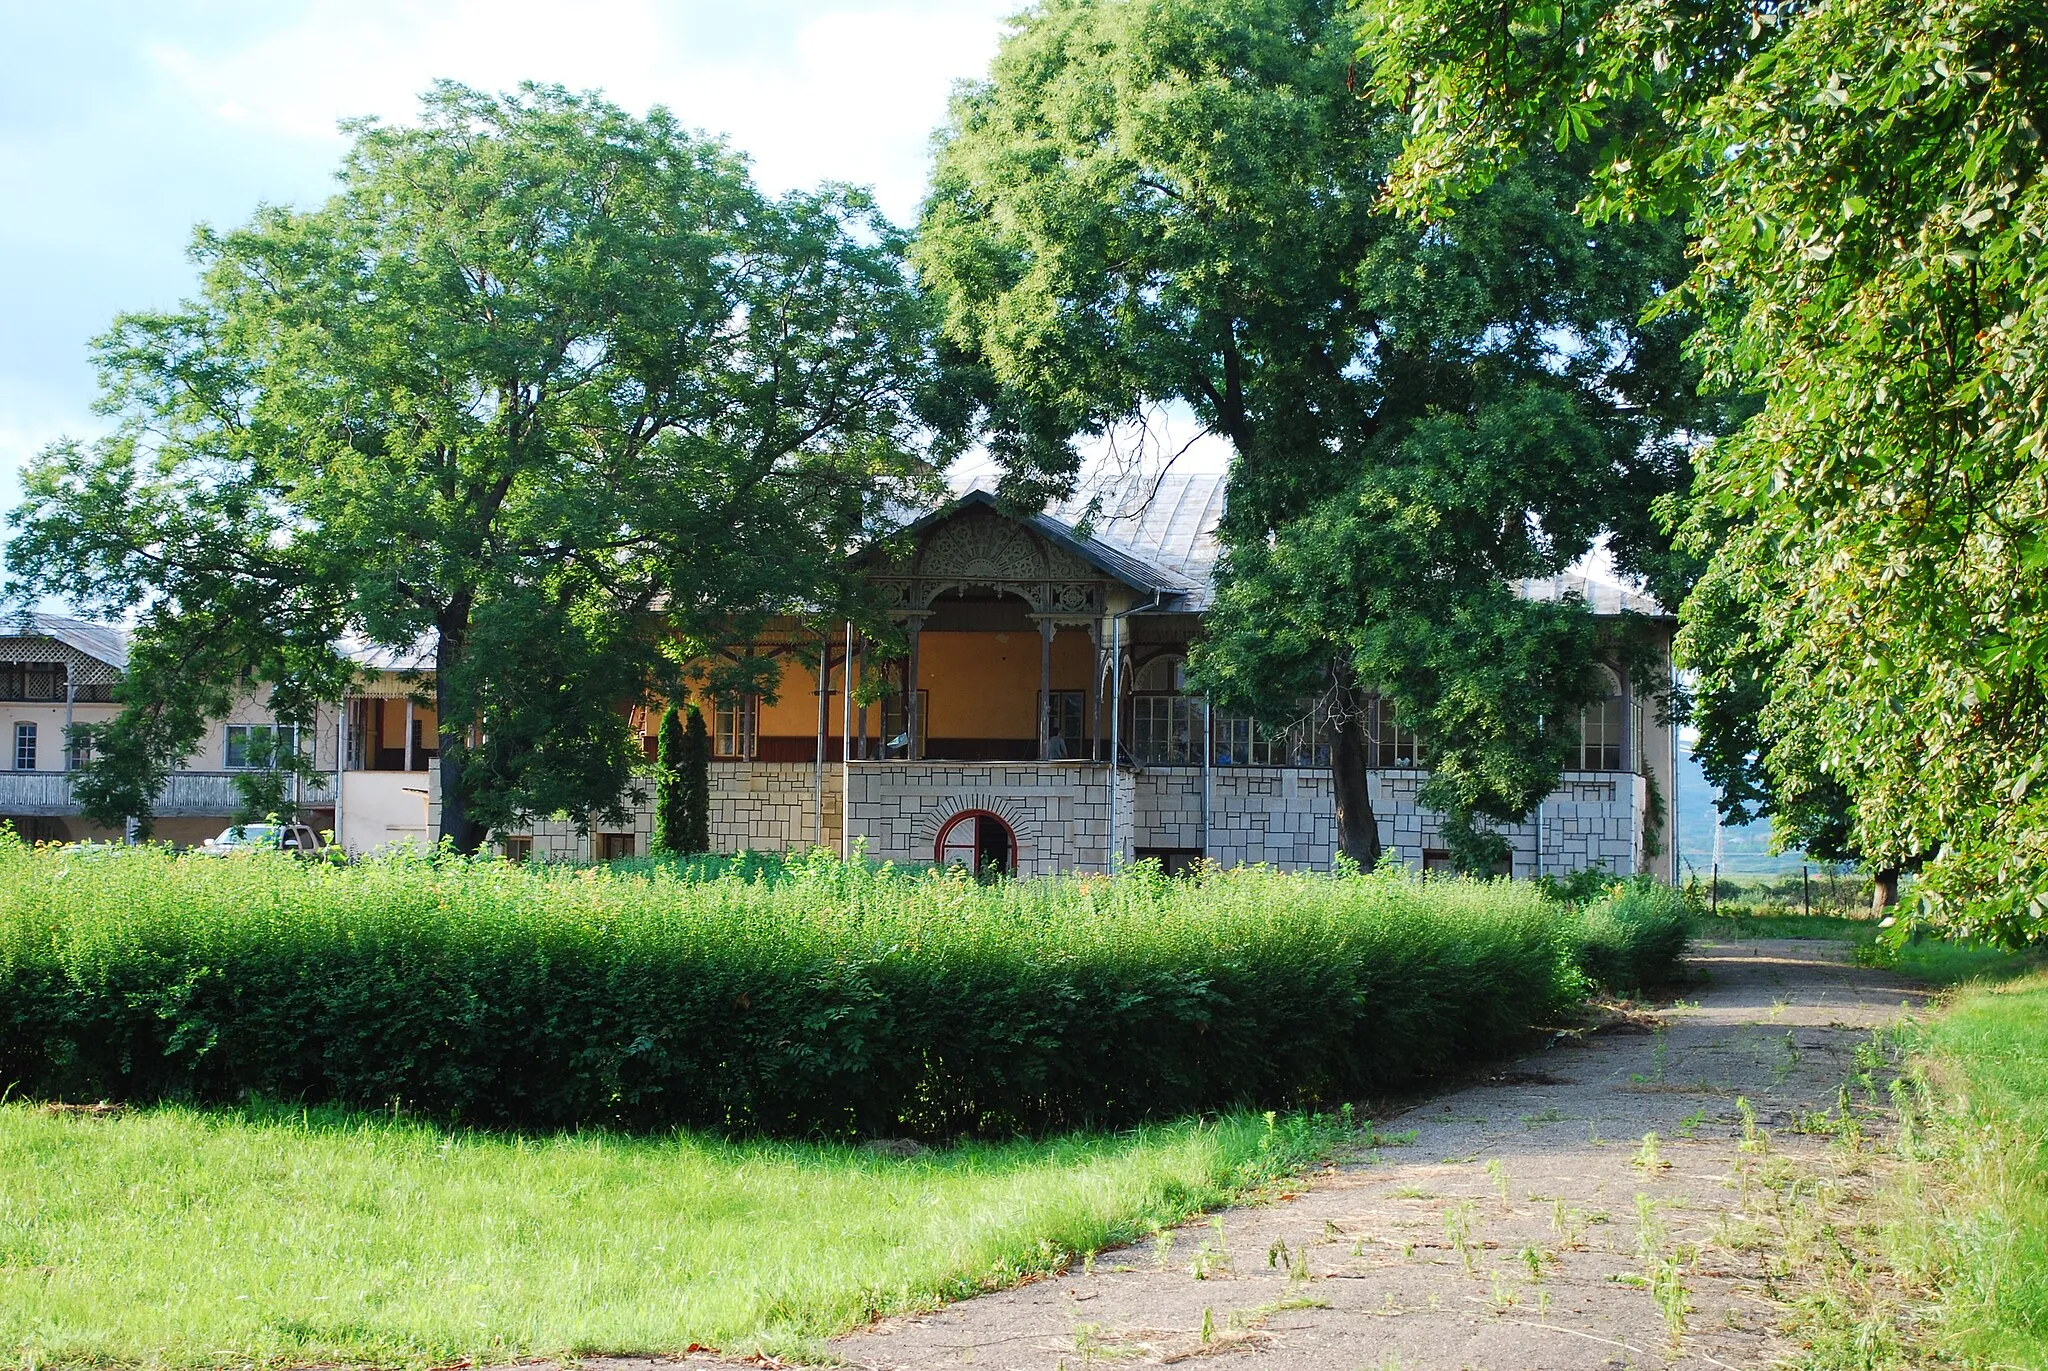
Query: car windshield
{"x": 248, "y": 835}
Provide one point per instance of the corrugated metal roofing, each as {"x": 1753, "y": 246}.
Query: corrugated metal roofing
{"x": 102, "y": 642}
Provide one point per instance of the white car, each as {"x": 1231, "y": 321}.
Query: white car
{"x": 296, "y": 838}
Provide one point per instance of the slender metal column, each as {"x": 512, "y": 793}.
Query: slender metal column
{"x": 824, "y": 722}
{"x": 912, "y": 715}
{"x": 846, "y": 747}
{"x": 1095, "y": 690}
{"x": 1045, "y": 632}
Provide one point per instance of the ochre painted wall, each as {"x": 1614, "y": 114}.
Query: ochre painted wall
{"x": 978, "y": 685}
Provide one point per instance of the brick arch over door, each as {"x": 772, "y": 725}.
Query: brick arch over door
{"x": 933, "y": 820}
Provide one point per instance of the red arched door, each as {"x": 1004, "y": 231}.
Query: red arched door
{"x": 979, "y": 841}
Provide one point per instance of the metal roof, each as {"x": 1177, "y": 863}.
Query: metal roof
{"x": 106, "y": 643}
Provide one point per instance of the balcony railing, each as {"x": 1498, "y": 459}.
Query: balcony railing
{"x": 188, "y": 794}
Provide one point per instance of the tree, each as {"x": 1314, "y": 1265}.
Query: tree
{"x": 547, "y": 393}
{"x": 668, "y": 784}
{"x": 1863, "y": 186}
{"x": 1179, "y": 201}
{"x": 694, "y": 785}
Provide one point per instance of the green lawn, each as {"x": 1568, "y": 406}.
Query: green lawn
{"x": 1976, "y": 1225}
{"x": 179, "y": 1237}
{"x": 1739, "y": 923}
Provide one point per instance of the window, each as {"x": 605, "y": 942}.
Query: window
{"x": 1241, "y": 740}
{"x": 1601, "y": 726}
{"x": 1162, "y": 719}
{"x": 78, "y": 749}
{"x": 1066, "y": 726}
{"x": 36, "y": 681}
{"x": 738, "y": 730}
{"x": 611, "y": 847}
{"x": 24, "y": 747}
{"x": 260, "y": 747}
{"x": 896, "y": 729}
{"x": 1392, "y": 745}
{"x": 1438, "y": 860}
{"x": 516, "y": 849}
{"x": 978, "y": 841}
{"x": 1173, "y": 861}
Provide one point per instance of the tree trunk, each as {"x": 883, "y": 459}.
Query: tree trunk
{"x": 1358, "y": 828}
{"x": 449, "y": 643}
{"x": 1884, "y": 891}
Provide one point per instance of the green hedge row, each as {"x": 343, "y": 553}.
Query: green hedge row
{"x": 1632, "y": 937}
{"x": 832, "y": 1000}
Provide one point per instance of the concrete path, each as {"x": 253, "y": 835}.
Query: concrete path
{"x": 1412, "y": 1258}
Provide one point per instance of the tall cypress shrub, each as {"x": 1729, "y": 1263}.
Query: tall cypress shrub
{"x": 669, "y": 826}
{"x": 693, "y": 786}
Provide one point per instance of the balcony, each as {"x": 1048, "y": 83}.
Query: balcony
{"x": 188, "y": 794}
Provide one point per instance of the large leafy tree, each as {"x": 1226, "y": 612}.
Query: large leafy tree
{"x": 546, "y": 391}
{"x": 1863, "y": 182}
{"x": 1180, "y": 201}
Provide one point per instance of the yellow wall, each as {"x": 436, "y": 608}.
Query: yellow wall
{"x": 978, "y": 685}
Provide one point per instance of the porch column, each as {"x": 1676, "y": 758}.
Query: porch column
{"x": 408, "y": 733}
{"x": 912, "y": 715}
{"x": 1045, "y": 632}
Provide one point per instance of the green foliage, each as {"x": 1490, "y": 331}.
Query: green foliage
{"x": 835, "y": 1000}
{"x": 1863, "y": 184}
{"x": 693, "y": 800}
{"x": 1633, "y": 937}
{"x": 681, "y": 785}
{"x": 538, "y": 367}
{"x": 1180, "y": 202}
{"x": 277, "y": 1235}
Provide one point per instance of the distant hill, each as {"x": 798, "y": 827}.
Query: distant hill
{"x": 1745, "y": 850}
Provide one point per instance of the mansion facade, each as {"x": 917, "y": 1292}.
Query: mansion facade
{"x": 1035, "y": 721}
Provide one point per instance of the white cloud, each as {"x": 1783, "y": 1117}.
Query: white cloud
{"x": 850, "y": 94}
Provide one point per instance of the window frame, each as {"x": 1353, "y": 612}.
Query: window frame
{"x": 736, "y": 728}
{"x": 26, "y": 745}
{"x": 292, "y": 747}
{"x": 1603, "y": 747}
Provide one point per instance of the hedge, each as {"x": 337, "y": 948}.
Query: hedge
{"x": 1632, "y": 937}
{"x": 828, "y": 1000}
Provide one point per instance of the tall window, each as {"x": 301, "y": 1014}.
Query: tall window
{"x": 896, "y": 724}
{"x": 1162, "y": 719}
{"x": 1066, "y": 726}
{"x": 1392, "y": 745}
{"x": 24, "y": 747}
{"x": 1241, "y": 740}
{"x": 1601, "y": 728}
{"x": 77, "y": 749}
{"x": 260, "y": 747}
{"x": 738, "y": 727}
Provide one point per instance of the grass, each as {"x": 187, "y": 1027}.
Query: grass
{"x": 180, "y": 1238}
{"x": 1737, "y": 923}
{"x": 1971, "y": 1220}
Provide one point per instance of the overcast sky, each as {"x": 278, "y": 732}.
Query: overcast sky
{"x": 123, "y": 125}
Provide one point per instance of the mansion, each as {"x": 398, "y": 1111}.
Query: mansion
{"x": 1034, "y": 720}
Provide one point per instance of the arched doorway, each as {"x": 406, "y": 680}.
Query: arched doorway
{"x": 979, "y": 841}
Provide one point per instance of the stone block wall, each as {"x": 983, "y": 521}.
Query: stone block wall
{"x": 1058, "y": 811}
{"x": 755, "y": 806}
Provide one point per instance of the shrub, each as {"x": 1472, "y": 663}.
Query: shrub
{"x": 834, "y": 1000}
{"x": 1632, "y": 938}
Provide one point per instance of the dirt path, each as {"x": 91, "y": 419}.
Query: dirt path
{"x": 1411, "y": 1258}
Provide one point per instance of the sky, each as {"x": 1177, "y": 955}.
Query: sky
{"x": 124, "y": 125}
